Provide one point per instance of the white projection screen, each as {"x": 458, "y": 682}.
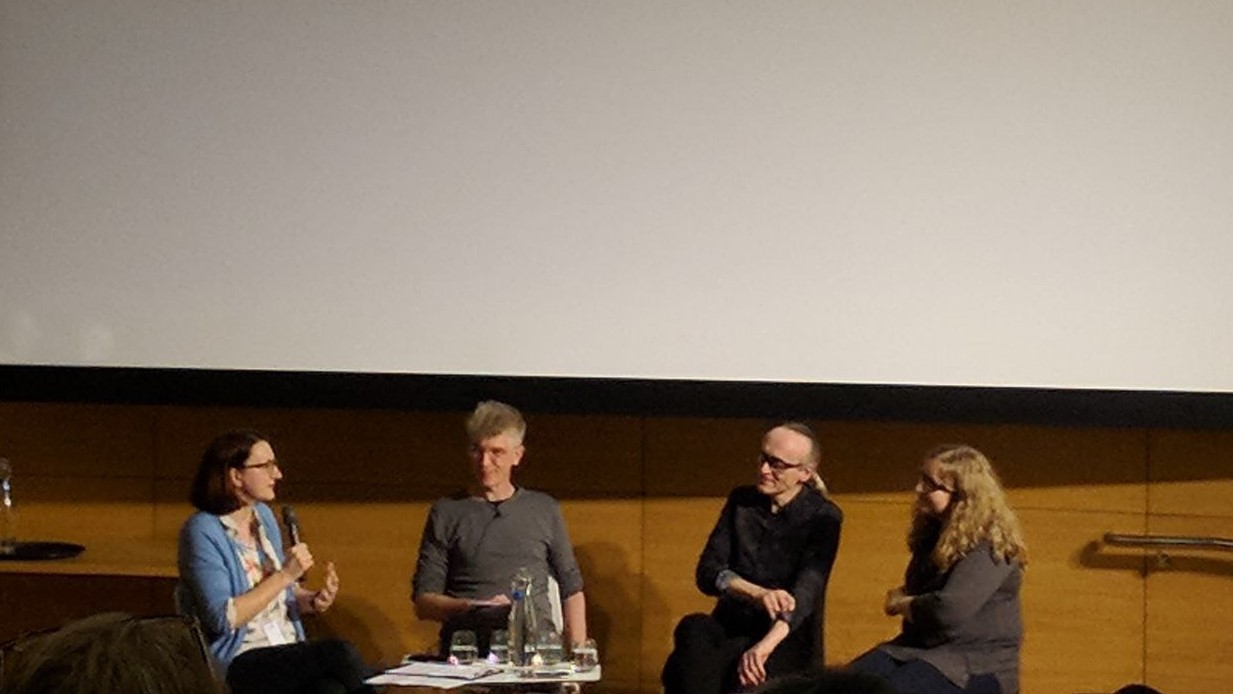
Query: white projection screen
{"x": 1034, "y": 194}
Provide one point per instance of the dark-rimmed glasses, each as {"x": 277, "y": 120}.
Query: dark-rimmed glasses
{"x": 930, "y": 485}
{"x": 777, "y": 465}
{"x": 267, "y": 466}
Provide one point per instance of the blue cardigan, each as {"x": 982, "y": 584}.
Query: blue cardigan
{"x": 211, "y": 574}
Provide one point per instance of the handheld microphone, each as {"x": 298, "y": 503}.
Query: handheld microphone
{"x": 293, "y": 525}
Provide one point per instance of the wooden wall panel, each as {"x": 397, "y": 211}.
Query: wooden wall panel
{"x": 871, "y": 560}
{"x": 640, "y": 496}
{"x": 607, "y": 537}
{"x": 1082, "y": 615}
{"x": 876, "y": 460}
{"x": 582, "y": 456}
{"x": 373, "y": 546}
{"x": 37, "y": 602}
{"x": 415, "y": 452}
{"x": 1189, "y": 608}
{"x": 1043, "y": 467}
{"x": 374, "y": 606}
{"x": 171, "y": 508}
{"x": 674, "y": 532}
{"x": 85, "y": 509}
{"x": 1191, "y": 473}
{"x": 77, "y": 441}
{"x": 698, "y": 457}
{"x": 1189, "y": 602}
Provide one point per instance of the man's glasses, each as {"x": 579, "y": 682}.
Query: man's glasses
{"x": 777, "y": 465}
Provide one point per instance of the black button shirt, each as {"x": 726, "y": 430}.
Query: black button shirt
{"x": 793, "y": 549}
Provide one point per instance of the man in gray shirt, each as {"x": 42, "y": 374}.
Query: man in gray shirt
{"x": 474, "y": 542}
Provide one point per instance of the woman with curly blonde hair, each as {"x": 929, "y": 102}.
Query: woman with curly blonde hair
{"x": 960, "y": 598}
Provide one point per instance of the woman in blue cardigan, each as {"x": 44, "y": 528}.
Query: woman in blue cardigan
{"x": 237, "y": 581}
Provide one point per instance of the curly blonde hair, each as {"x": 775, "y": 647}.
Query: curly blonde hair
{"x": 978, "y": 510}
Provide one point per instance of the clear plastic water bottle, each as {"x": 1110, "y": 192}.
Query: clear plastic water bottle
{"x": 521, "y": 619}
{"x": 8, "y": 514}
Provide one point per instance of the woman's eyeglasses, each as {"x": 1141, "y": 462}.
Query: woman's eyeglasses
{"x": 930, "y": 485}
{"x": 267, "y": 466}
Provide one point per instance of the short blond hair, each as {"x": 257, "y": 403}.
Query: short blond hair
{"x": 491, "y": 418}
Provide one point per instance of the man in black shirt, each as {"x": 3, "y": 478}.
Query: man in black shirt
{"x": 768, "y": 561}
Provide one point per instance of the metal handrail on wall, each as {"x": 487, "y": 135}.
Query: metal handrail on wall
{"x": 1168, "y": 541}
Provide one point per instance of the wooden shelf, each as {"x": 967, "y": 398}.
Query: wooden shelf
{"x": 144, "y": 558}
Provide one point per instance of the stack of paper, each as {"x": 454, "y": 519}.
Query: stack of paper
{"x": 438, "y": 675}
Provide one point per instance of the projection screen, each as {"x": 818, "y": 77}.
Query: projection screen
{"x": 939, "y": 193}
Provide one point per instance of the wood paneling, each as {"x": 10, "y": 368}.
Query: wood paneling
{"x": 84, "y": 509}
{"x": 608, "y": 543}
{"x": 674, "y": 531}
{"x": 640, "y": 495}
{"x": 1192, "y": 473}
{"x": 77, "y": 441}
{"x": 1189, "y": 607}
{"x": 583, "y": 456}
{"x": 424, "y": 452}
{"x": 701, "y": 457}
{"x": 871, "y": 560}
{"x": 1043, "y": 467}
{"x": 38, "y": 602}
{"x": 1082, "y": 615}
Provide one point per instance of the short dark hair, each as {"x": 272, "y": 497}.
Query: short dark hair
{"x": 112, "y": 652}
{"x": 226, "y": 451}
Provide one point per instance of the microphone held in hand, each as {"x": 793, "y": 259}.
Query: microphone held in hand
{"x": 293, "y": 529}
{"x": 293, "y": 525}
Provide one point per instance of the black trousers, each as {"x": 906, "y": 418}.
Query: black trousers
{"x": 919, "y": 677}
{"x": 326, "y": 666}
{"x": 705, "y": 656}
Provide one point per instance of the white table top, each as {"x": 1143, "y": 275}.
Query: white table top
{"x": 446, "y": 676}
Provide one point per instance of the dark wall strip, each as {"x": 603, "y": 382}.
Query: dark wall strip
{"x": 640, "y": 397}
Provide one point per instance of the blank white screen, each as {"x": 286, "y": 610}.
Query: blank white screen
{"x": 1010, "y": 194}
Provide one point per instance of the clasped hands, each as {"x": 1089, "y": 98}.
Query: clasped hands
{"x": 897, "y": 602}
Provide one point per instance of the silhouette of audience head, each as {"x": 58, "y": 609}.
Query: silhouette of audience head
{"x": 827, "y": 681}
{"x": 111, "y": 653}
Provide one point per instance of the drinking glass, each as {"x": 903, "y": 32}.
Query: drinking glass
{"x": 498, "y": 647}
{"x": 549, "y": 647}
{"x": 586, "y": 656}
{"x": 463, "y": 649}
{"x": 8, "y": 514}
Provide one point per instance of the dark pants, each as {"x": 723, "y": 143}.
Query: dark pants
{"x": 919, "y": 677}
{"x": 705, "y": 656}
{"x": 326, "y": 666}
